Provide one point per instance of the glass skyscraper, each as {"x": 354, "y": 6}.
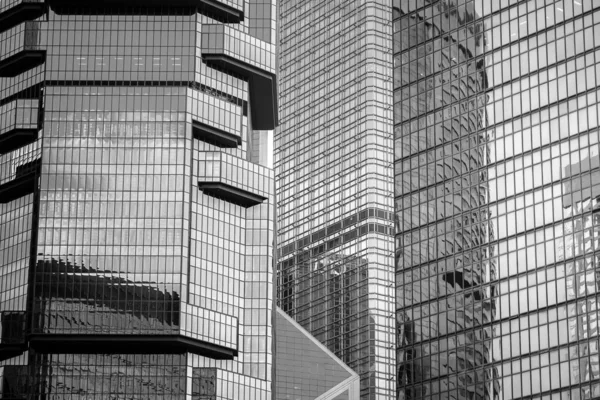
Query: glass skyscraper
{"x": 334, "y": 174}
{"x": 136, "y": 209}
{"x": 497, "y": 193}
{"x": 496, "y": 187}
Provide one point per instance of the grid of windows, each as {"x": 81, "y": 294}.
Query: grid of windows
{"x": 104, "y": 232}
{"x": 334, "y": 181}
{"x": 497, "y": 185}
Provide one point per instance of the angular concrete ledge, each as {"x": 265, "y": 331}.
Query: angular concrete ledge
{"x": 19, "y": 187}
{"x": 215, "y": 136}
{"x": 132, "y": 344}
{"x": 11, "y": 350}
{"x": 16, "y": 138}
{"x": 263, "y": 88}
{"x": 231, "y": 194}
{"x": 212, "y": 8}
{"x": 20, "y": 13}
{"x": 21, "y": 62}
{"x": 224, "y": 12}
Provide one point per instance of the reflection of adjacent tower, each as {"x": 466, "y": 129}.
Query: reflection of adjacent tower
{"x": 443, "y": 232}
{"x": 582, "y": 237}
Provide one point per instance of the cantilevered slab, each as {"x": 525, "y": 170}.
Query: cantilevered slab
{"x": 24, "y": 183}
{"x": 263, "y": 88}
{"x": 21, "y": 62}
{"x": 230, "y": 50}
{"x": 215, "y": 136}
{"x": 232, "y": 179}
{"x": 19, "y": 187}
{"x": 11, "y": 350}
{"x": 226, "y": 11}
{"x": 16, "y": 138}
{"x": 133, "y": 344}
{"x": 21, "y": 12}
{"x": 231, "y": 11}
{"x": 231, "y": 194}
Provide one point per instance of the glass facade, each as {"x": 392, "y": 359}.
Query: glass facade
{"x": 305, "y": 369}
{"x": 136, "y": 201}
{"x": 497, "y": 192}
{"x": 334, "y": 177}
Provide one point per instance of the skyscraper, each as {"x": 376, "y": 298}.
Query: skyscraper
{"x": 496, "y": 112}
{"x": 333, "y": 160}
{"x": 496, "y": 179}
{"x": 136, "y": 218}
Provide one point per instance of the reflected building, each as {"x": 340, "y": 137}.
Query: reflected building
{"x": 334, "y": 178}
{"x": 497, "y": 145}
{"x": 443, "y": 234}
{"x": 136, "y": 206}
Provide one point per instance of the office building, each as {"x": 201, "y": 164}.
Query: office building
{"x": 136, "y": 218}
{"x": 497, "y": 188}
{"x": 334, "y": 178}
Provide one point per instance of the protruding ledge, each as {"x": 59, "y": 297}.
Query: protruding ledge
{"x": 263, "y": 89}
{"x": 17, "y": 188}
{"x": 231, "y": 194}
{"x": 214, "y": 135}
{"x": 20, "y": 13}
{"x": 11, "y": 350}
{"x": 25, "y": 182}
{"x": 212, "y": 8}
{"x": 16, "y": 138}
{"x": 221, "y": 11}
{"x": 21, "y": 62}
{"x": 133, "y": 344}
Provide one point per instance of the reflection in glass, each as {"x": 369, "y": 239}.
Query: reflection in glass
{"x": 444, "y": 296}
{"x": 528, "y": 70}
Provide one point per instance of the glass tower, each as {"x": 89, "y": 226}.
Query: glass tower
{"x": 334, "y": 178}
{"x": 136, "y": 206}
{"x": 497, "y": 198}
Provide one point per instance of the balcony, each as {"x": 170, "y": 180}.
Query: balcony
{"x": 18, "y": 124}
{"x": 231, "y": 50}
{"x": 15, "y": 12}
{"x": 20, "y": 49}
{"x": 232, "y": 179}
{"x": 228, "y": 11}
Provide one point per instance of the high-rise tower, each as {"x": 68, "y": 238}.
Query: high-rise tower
{"x": 334, "y": 173}
{"x": 497, "y": 193}
{"x": 136, "y": 220}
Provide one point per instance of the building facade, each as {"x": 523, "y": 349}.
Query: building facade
{"x": 445, "y": 304}
{"x": 306, "y": 369}
{"x": 334, "y": 177}
{"x": 136, "y": 209}
{"x": 497, "y": 193}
